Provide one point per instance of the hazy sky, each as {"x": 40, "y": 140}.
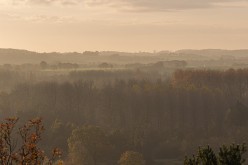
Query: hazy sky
{"x": 123, "y": 25}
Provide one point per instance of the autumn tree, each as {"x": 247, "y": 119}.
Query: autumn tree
{"x": 27, "y": 151}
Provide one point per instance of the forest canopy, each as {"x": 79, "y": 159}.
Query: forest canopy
{"x": 107, "y": 113}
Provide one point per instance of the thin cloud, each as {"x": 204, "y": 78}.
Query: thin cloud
{"x": 134, "y": 5}
{"x": 47, "y": 2}
{"x": 50, "y": 2}
{"x": 40, "y": 18}
{"x": 158, "y": 5}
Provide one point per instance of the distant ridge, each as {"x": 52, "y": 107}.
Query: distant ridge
{"x": 186, "y": 51}
{"x": 19, "y": 56}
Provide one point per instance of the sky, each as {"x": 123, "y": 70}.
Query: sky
{"x": 123, "y": 25}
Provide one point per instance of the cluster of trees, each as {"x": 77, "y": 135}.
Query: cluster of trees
{"x": 9, "y": 78}
{"x": 45, "y": 65}
{"x": 228, "y": 155}
{"x": 11, "y": 75}
{"x": 107, "y": 76}
{"x": 91, "y": 145}
{"x": 87, "y": 145}
{"x": 161, "y": 119}
{"x": 231, "y": 82}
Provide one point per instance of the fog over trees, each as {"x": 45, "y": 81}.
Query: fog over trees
{"x": 109, "y": 108}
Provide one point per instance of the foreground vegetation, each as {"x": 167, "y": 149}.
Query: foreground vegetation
{"x": 87, "y": 145}
{"x": 23, "y": 148}
{"x": 228, "y": 155}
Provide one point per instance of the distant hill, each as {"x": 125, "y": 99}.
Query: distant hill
{"x": 215, "y": 52}
{"x": 15, "y": 56}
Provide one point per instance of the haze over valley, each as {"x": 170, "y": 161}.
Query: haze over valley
{"x": 123, "y": 82}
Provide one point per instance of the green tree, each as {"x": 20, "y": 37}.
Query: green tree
{"x": 228, "y": 155}
{"x": 191, "y": 161}
{"x": 131, "y": 158}
{"x": 207, "y": 156}
{"x": 232, "y": 154}
{"x": 88, "y": 145}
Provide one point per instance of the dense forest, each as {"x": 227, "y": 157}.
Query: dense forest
{"x": 102, "y": 113}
